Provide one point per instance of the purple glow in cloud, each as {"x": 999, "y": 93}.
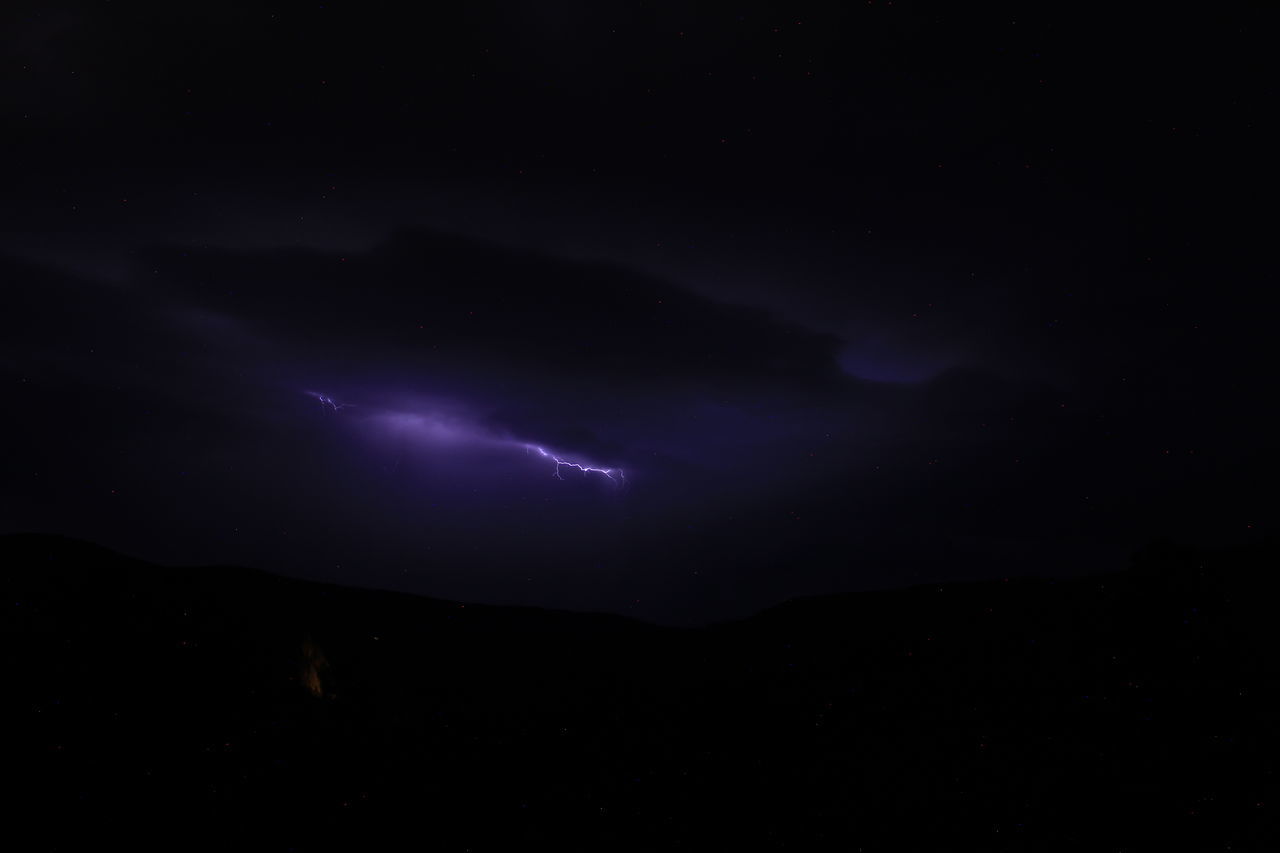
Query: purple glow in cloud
{"x": 444, "y": 426}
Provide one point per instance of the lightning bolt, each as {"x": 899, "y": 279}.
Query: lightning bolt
{"x": 615, "y": 475}
{"x": 328, "y": 402}
{"x": 585, "y": 469}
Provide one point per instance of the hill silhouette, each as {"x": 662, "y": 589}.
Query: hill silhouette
{"x": 221, "y": 707}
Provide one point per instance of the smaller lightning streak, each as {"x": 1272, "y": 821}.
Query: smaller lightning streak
{"x": 327, "y": 401}
{"x": 585, "y": 469}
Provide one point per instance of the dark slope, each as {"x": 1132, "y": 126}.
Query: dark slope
{"x": 1136, "y": 711}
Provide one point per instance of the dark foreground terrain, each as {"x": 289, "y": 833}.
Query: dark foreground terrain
{"x": 182, "y": 708}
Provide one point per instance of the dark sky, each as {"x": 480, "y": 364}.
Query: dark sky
{"x": 845, "y": 296}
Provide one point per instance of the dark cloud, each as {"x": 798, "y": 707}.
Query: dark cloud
{"x": 450, "y": 356}
{"x": 169, "y": 413}
{"x": 441, "y": 299}
{"x": 855, "y": 295}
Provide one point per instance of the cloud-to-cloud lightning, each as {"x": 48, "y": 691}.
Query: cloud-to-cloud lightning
{"x": 585, "y": 469}
{"x": 455, "y": 430}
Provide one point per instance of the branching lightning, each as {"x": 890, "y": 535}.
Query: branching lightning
{"x": 585, "y": 469}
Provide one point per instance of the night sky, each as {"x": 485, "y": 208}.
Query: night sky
{"x": 832, "y": 298}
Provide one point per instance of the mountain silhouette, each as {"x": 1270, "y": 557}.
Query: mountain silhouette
{"x": 226, "y": 707}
